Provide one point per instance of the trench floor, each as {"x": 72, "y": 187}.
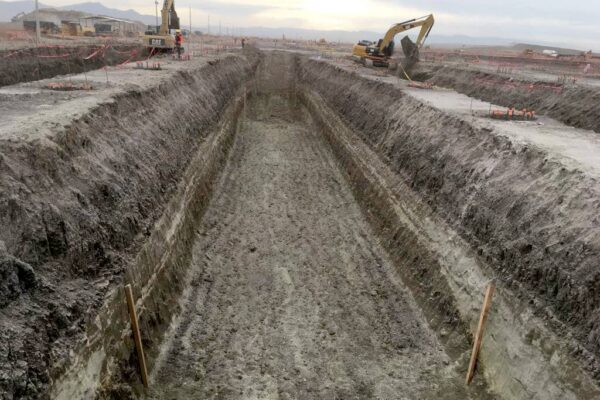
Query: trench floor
{"x": 290, "y": 295}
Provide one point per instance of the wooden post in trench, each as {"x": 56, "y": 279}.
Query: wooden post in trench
{"x": 487, "y": 302}
{"x": 136, "y": 334}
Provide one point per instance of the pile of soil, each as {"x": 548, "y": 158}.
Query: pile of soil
{"x": 77, "y": 205}
{"x": 574, "y": 105}
{"x": 533, "y": 220}
{"x": 36, "y": 63}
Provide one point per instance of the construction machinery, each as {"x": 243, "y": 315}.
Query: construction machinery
{"x": 379, "y": 53}
{"x": 162, "y": 38}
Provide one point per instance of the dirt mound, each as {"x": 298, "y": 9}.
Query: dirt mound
{"x": 35, "y": 63}
{"x": 532, "y": 220}
{"x": 576, "y": 106}
{"x": 78, "y": 204}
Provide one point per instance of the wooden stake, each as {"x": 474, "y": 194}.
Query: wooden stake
{"x": 136, "y": 334}
{"x": 487, "y": 302}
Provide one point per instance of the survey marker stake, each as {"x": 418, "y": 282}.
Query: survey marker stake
{"x": 136, "y": 334}
{"x": 487, "y": 302}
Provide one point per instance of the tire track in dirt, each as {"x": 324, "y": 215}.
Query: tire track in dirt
{"x": 290, "y": 294}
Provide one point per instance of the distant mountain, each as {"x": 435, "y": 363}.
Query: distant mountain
{"x": 9, "y": 9}
{"x": 99, "y": 9}
{"x": 12, "y": 8}
{"x": 540, "y": 48}
{"x": 355, "y": 36}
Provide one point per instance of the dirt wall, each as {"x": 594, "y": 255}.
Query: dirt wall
{"x": 37, "y": 63}
{"x": 157, "y": 275}
{"x": 574, "y": 105}
{"x": 533, "y": 221}
{"x": 78, "y": 207}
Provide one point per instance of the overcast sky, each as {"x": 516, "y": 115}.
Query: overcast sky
{"x": 574, "y": 23}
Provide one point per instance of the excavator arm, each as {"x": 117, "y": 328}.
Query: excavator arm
{"x": 379, "y": 53}
{"x": 426, "y": 23}
{"x": 169, "y": 17}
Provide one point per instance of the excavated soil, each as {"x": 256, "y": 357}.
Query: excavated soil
{"x": 574, "y": 105}
{"x": 35, "y": 63}
{"x": 290, "y": 294}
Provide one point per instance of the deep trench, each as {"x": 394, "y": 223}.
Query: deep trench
{"x": 32, "y": 64}
{"x": 311, "y": 249}
{"x": 290, "y": 293}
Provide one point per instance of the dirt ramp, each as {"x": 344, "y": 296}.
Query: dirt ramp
{"x": 81, "y": 199}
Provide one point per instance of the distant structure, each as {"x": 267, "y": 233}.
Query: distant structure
{"x": 49, "y": 22}
{"x": 75, "y": 23}
{"x": 551, "y": 53}
{"x": 112, "y": 26}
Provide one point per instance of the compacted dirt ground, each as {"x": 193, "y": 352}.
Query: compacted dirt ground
{"x": 290, "y": 295}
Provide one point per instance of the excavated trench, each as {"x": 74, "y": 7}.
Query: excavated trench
{"x": 328, "y": 236}
{"x": 290, "y": 294}
{"x": 573, "y": 105}
{"x": 331, "y": 261}
{"x": 32, "y": 64}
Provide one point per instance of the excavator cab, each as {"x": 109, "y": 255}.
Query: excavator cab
{"x": 388, "y": 50}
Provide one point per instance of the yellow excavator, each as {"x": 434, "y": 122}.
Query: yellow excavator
{"x": 162, "y": 37}
{"x": 379, "y": 53}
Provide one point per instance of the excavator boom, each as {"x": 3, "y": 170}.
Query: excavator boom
{"x": 426, "y": 23}
{"x": 379, "y": 53}
{"x": 169, "y": 18}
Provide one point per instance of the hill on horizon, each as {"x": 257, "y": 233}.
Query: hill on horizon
{"x": 100, "y": 9}
{"x": 9, "y": 9}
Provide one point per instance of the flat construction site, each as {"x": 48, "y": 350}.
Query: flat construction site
{"x": 292, "y": 228}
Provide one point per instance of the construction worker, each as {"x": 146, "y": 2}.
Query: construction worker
{"x": 178, "y": 43}
{"x": 511, "y": 112}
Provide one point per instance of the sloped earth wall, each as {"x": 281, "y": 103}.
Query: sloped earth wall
{"x": 573, "y": 105}
{"x": 455, "y": 206}
{"x": 114, "y": 198}
{"x": 531, "y": 221}
{"x": 38, "y": 63}
{"x": 77, "y": 208}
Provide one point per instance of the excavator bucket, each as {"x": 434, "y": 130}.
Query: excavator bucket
{"x": 411, "y": 53}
